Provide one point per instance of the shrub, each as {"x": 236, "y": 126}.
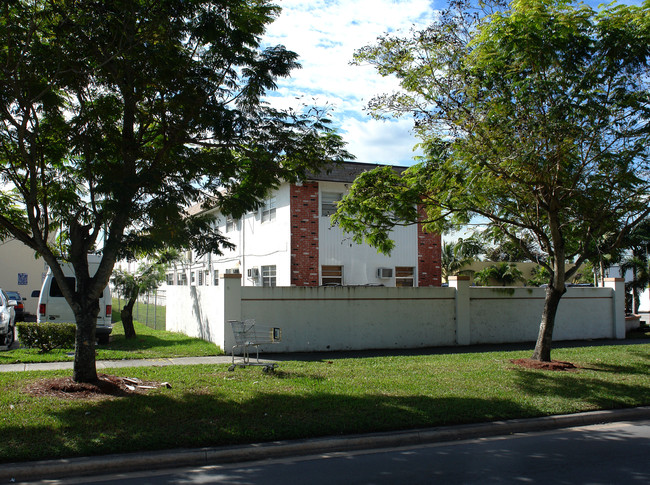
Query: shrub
{"x": 46, "y": 336}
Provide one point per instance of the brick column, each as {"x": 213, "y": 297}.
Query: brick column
{"x": 304, "y": 234}
{"x": 429, "y": 256}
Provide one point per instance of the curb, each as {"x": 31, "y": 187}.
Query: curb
{"x": 221, "y": 455}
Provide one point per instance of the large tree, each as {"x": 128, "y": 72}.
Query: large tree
{"x": 118, "y": 114}
{"x": 533, "y": 118}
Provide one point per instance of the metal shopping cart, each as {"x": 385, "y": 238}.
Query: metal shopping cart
{"x": 248, "y": 334}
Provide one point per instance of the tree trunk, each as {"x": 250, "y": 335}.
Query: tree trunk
{"x": 127, "y": 319}
{"x": 545, "y": 337}
{"x": 85, "y": 369}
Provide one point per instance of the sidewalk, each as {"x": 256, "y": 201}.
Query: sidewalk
{"x": 117, "y": 364}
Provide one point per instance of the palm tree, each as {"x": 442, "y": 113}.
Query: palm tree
{"x": 456, "y": 256}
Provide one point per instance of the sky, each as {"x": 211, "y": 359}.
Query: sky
{"x": 325, "y": 34}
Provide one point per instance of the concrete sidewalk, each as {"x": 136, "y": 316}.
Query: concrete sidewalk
{"x": 117, "y": 364}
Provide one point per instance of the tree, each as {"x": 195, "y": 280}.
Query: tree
{"x": 637, "y": 262}
{"x": 533, "y": 117}
{"x": 117, "y": 115}
{"x": 455, "y": 256}
{"x": 503, "y": 273}
{"x": 132, "y": 285}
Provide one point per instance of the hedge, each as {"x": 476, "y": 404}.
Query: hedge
{"x": 46, "y": 336}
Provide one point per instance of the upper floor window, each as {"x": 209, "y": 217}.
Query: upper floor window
{"x": 170, "y": 279}
{"x": 268, "y": 210}
{"x": 215, "y": 279}
{"x": 268, "y": 275}
{"x": 231, "y": 224}
{"x": 328, "y": 202}
{"x": 404, "y": 276}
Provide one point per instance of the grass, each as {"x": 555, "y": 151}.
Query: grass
{"x": 149, "y": 344}
{"x": 209, "y": 406}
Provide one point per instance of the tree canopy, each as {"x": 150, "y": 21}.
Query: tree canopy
{"x": 533, "y": 116}
{"x": 118, "y": 114}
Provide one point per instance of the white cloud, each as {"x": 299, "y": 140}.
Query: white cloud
{"x": 325, "y": 33}
{"x": 374, "y": 141}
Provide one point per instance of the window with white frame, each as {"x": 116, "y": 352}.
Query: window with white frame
{"x": 182, "y": 279}
{"x": 328, "y": 202}
{"x": 331, "y": 275}
{"x": 193, "y": 278}
{"x": 268, "y": 275}
{"x": 231, "y": 224}
{"x": 268, "y": 210}
{"x": 200, "y": 273}
{"x": 170, "y": 279}
{"x": 404, "y": 276}
{"x": 215, "y": 277}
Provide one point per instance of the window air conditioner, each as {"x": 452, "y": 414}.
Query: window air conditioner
{"x": 384, "y": 273}
{"x": 253, "y": 273}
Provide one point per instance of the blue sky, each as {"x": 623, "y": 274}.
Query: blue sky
{"x": 325, "y": 33}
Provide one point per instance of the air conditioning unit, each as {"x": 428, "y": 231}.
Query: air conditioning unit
{"x": 254, "y": 273}
{"x": 384, "y": 273}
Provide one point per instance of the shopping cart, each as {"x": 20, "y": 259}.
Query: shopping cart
{"x": 248, "y": 334}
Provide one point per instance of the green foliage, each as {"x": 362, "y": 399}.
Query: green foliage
{"x": 533, "y": 117}
{"x": 454, "y": 257}
{"x": 118, "y": 115}
{"x": 502, "y": 273}
{"x": 46, "y": 336}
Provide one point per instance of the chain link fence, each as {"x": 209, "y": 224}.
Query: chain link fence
{"x": 150, "y": 309}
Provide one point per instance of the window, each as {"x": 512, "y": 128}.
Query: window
{"x": 200, "y": 278}
{"x": 231, "y": 224}
{"x": 268, "y": 210}
{"x": 332, "y": 275}
{"x": 193, "y": 278}
{"x": 207, "y": 277}
{"x": 215, "y": 279}
{"x": 54, "y": 287}
{"x": 328, "y": 202}
{"x": 268, "y": 275}
{"x": 170, "y": 279}
{"x": 182, "y": 279}
{"x": 404, "y": 276}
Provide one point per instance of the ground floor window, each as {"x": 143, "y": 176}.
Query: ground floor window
{"x": 170, "y": 279}
{"x": 268, "y": 275}
{"x": 404, "y": 276}
{"x": 331, "y": 275}
{"x": 182, "y": 279}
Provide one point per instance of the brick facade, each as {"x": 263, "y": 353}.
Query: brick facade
{"x": 429, "y": 255}
{"x": 304, "y": 234}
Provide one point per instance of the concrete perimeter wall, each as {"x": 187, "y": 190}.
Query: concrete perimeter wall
{"x": 355, "y": 318}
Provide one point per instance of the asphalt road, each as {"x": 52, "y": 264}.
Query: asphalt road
{"x": 615, "y": 453}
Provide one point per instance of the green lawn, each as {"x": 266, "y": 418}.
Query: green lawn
{"x": 149, "y": 343}
{"x": 209, "y": 406}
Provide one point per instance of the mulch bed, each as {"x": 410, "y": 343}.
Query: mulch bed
{"x": 106, "y": 387}
{"x": 554, "y": 365}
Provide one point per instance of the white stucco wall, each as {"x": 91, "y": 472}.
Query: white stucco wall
{"x": 355, "y": 318}
{"x": 500, "y": 315}
{"x": 15, "y": 259}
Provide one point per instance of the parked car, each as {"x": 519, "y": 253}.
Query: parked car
{"x": 7, "y": 319}
{"x": 20, "y": 306}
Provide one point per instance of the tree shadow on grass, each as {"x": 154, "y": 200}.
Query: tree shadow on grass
{"x": 600, "y": 391}
{"x": 159, "y": 421}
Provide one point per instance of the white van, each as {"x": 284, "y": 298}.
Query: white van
{"x": 52, "y": 306}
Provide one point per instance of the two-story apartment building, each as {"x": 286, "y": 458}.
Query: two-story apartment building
{"x": 290, "y": 242}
